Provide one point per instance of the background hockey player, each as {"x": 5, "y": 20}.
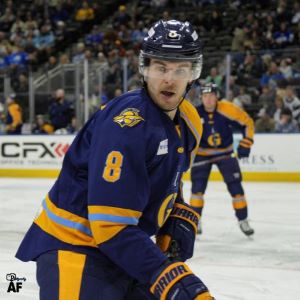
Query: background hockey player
{"x": 120, "y": 184}
{"x": 219, "y": 118}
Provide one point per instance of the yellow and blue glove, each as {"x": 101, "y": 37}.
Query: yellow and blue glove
{"x": 244, "y": 147}
{"x": 177, "y": 236}
{"x": 177, "y": 282}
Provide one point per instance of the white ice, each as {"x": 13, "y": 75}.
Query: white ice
{"x": 233, "y": 266}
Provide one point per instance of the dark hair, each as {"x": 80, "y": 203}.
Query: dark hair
{"x": 286, "y": 111}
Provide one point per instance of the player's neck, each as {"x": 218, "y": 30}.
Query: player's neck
{"x": 171, "y": 113}
{"x": 209, "y": 109}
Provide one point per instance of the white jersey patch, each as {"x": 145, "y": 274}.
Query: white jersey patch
{"x": 163, "y": 147}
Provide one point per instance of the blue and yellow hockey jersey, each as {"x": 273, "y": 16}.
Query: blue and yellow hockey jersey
{"x": 218, "y": 128}
{"x": 119, "y": 181}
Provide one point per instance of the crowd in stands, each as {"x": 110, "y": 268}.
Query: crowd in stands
{"x": 60, "y": 118}
{"x": 262, "y": 36}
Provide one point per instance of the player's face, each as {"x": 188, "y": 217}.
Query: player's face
{"x": 209, "y": 101}
{"x": 167, "y": 82}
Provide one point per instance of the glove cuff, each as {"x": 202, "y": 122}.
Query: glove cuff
{"x": 184, "y": 212}
{"x": 168, "y": 277}
{"x": 246, "y": 142}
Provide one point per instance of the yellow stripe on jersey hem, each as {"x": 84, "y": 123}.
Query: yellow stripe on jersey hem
{"x": 64, "y": 225}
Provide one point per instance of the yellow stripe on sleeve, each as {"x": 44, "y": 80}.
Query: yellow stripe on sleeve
{"x": 107, "y": 221}
{"x": 234, "y": 113}
{"x": 193, "y": 121}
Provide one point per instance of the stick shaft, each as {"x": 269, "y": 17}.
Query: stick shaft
{"x": 213, "y": 160}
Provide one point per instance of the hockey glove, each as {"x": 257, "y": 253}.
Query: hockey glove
{"x": 177, "y": 236}
{"x": 177, "y": 282}
{"x": 244, "y": 147}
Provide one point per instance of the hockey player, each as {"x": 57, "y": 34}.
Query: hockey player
{"x": 216, "y": 146}
{"x": 120, "y": 184}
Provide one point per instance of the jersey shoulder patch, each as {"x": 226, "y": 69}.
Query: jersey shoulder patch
{"x": 128, "y": 117}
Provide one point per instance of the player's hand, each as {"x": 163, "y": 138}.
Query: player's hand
{"x": 177, "y": 236}
{"x": 175, "y": 281}
{"x": 244, "y": 147}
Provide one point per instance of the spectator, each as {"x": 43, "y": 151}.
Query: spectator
{"x": 279, "y": 105}
{"x": 296, "y": 17}
{"x": 18, "y": 25}
{"x": 285, "y": 68}
{"x": 138, "y": 34}
{"x": 250, "y": 68}
{"x": 60, "y": 32}
{"x": 292, "y": 102}
{"x": 59, "y": 13}
{"x": 79, "y": 55}
{"x": 6, "y": 20}
{"x": 60, "y": 111}
{"x": 72, "y": 127}
{"x": 102, "y": 59}
{"x": 45, "y": 40}
{"x": 64, "y": 59}
{"x": 214, "y": 77}
{"x": 286, "y": 123}
{"x": 267, "y": 97}
{"x": 95, "y": 37}
{"x": 51, "y": 64}
{"x": 122, "y": 17}
{"x": 42, "y": 126}
{"x": 271, "y": 76}
{"x": 264, "y": 123}
{"x": 234, "y": 88}
{"x": 13, "y": 116}
{"x": 282, "y": 12}
{"x": 215, "y": 22}
{"x": 283, "y": 36}
{"x": 242, "y": 99}
{"x": 239, "y": 37}
{"x": 20, "y": 84}
{"x": 18, "y": 58}
{"x": 85, "y": 13}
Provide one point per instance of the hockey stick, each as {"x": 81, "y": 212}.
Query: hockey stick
{"x": 213, "y": 160}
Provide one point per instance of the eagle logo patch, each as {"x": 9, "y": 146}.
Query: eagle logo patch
{"x": 128, "y": 117}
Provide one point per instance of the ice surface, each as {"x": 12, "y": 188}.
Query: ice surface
{"x": 233, "y": 266}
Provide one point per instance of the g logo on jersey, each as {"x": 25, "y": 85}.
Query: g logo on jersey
{"x": 128, "y": 117}
{"x": 165, "y": 209}
{"x": 214, "y": 140}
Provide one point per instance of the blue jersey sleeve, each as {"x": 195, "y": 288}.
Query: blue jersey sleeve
{"x": 119, "y": 190}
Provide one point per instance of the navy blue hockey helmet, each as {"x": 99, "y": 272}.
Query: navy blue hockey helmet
{"x": 210, "y": 88}
{"x": 172, "y": 40}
